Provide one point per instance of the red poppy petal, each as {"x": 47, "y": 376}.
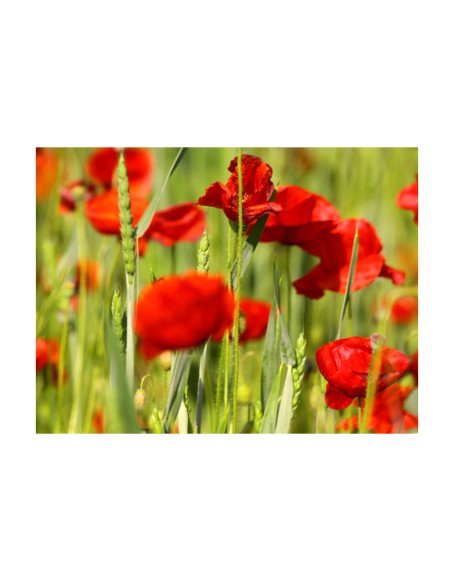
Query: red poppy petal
{"x": 396, "y": 276}
{"x": 213, "y": 195}
{"x": 336, "y": 399}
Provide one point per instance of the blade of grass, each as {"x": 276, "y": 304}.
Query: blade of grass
{"x": 351, "y": 275}
{"x": 284, "y": 416}
{"x": 147, "y": 216}
{"x": 121, "y": 404}
{"x": 270, "y": 414}
{"x": 200, "y": 389}
{"x": 180, "y": 372}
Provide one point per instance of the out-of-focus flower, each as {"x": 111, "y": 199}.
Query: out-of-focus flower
{"x": 303, "y": 216}
{"x": 346, "y": 364}
{"x": 89, "y": 271}
{"x": 404, "y": 309}
{"x": 102, "y": 164}
{"x": 257, "y": 190}
{"x": 181, "y": 312}
{"x": 48, "y": 354}
{"x": 334, "y": 248}
{"x": 46, "y": 172}
{"x": 103, "y": 213}
{"x": 408, "y": 199}
{"x": 72, "y": 191}
{"x": 388, "y": 414}
{"x": 183, "y": 222}
{"x": 98, "y": 421}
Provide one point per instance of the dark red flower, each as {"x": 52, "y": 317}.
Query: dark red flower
{"x": 404, "y": 309}
{"x": 303, "y": 216}
{"x": 181, "y": 312}
{"x": 257, "y": 191}
{"x": 73, "y": 190}
{"x": 183, "y": 222}
{"x": 413, "y": 369}
{"x": 334, "y": 248}
{"x": 102, "y": 164}
{"x": 345, "y": 363}
{"x": 388, "y": 413}
{"x": 46, "y": 172}
{"x": 408, "y": 199}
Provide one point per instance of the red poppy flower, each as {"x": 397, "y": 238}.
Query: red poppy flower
{"x": 71, "y": 191}
{"x": 408, "y": 199}
{"x": 334, "y": 248}
{"x": 183, "y": 222}
{"x": 102, "y": 164}
{"x": 345, "y": 363}
{"x": 181, "y": 312}
{"x": 46, "y": 172}
{"x": 404, "y": 309}
{"x": 257, "y": 191}
{"x": 303, "y": 216}
{"x": 90, "y": 271}
{"x": 388, "y": 414}
{"x": 103, "y": 213}
{"x": 48, "y": 353}
{"x": 256, "y": 314}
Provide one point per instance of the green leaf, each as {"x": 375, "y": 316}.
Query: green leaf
{"x": 180, "y": 372}
{"x": 200, "y": 389}
{"x": 287, "y": 351}
{"x": 250, "y": 244}
{"x": 120, "y": 400}
{"x": 351, "y": 275}
{"x": 284, "y": 417}
{"x": 147, "y": 216}
{"x": 270, "y": 360}
{"x": 270, "y": 414}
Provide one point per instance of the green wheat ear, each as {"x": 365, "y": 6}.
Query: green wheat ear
{"x": 298, "y": 370}
{"x": 117, "y": 317}
{"x": 203, "y": 254}
{"x": 128, "y": 232}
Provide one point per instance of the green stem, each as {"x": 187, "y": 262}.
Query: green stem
{"x": 236, "y": 330}
{"x": 218, "y": 385}
{"x": 74, "y": 419}
{"x": 130, "y": 292}
{"x": 226, "y": 339}
{"x": 289, "y": 288}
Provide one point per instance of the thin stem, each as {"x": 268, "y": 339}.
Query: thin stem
{"x": 130, "y": 292}
{"x": 289, "y": 288}
{"x": 226, "y": 339}
{"x": 218, "y": 385}
{"x": 236, "y": 330}
{"x": 74, "y": 419}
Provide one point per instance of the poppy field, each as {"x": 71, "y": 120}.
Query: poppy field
{"x": 222, "y": 290}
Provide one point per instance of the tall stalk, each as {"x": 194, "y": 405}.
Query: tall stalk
{"x": 128, "y": 241}
{"x": 236, "y": 331}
